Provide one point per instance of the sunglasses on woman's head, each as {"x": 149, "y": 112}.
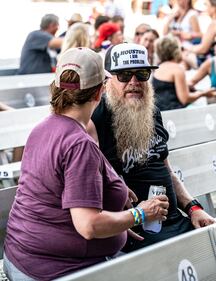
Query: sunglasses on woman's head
{"x": 139, "y": 33}
{"x": 142, "y": 75}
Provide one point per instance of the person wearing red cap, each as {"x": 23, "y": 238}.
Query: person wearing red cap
{"x": 111, "y": 32}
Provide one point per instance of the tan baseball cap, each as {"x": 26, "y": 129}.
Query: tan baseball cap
{"x": 86, "y": 63}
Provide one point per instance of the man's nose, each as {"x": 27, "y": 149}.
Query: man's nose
{"x": 133, "y": 80}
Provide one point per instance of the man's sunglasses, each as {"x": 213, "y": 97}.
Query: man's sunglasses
{"x": 126, "y": 75}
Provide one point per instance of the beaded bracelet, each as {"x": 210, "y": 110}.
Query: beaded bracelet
{"x": 142, "y": 214}
{"x": 136, "y": 216}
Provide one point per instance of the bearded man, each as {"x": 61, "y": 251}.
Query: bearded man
{"x": 130, "y": 132}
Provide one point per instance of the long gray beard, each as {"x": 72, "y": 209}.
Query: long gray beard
{"x": 133, "y": 123}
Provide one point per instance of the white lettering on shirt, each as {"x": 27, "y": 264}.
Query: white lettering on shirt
{"x": 132, "y": 156}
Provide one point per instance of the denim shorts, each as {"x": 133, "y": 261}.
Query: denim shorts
{"x": 13, "y": 273}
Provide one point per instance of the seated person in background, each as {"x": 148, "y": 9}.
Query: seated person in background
{"x": 100, "y": 20}
{"x": 69, "y": 212}
{"x": 108, "y": 34}
{"x": 139, "y": 31}
{"x": 208, "y": 38}
{"x": 77, "y": 35}
{"x": 39, "y": 50}
{"x": 169, "y": 81}
{"x": 131, "y": 135}
{"x": 120, "y": 21}
{"x": 76, "y": 17}
{"x": 147, "y": 41}
{"x": 183, "y": 23}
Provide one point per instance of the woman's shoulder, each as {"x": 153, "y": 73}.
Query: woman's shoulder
{"x": 166, "y": 70}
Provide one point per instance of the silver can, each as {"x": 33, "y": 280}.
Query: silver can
{"x": 154, "y": 226}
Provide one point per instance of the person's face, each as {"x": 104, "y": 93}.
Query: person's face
{"x": 53, "y": 28}
{"x": 139, "y": 33}
{"x": 117, "y": 38}
{"x": 128, "y": 91}
{"x": 147, "y": 41}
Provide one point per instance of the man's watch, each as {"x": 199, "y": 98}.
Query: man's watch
{"x": 194, "y": 202}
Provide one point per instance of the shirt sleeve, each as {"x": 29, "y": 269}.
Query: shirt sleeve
{"x": 40, "y": 39}
{"x": 83, "y": 185}
{"x": 160, "y": 125}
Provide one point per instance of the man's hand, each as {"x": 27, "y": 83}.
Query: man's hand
{"x": 200, "y": 218}
{"x": 155, "y": 208}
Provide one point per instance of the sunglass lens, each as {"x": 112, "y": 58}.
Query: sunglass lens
{"x": 124, "y": 76}
{"x": 143, "y": 75}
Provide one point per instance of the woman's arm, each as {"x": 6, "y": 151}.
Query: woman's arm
{"x": 182, "y": 89}
{"x": 93, "y": 223}
{"x": 201, "y": 72}
{"x": 195, "y": 33}
{"x": 174, "y": 15}
{"x": 207, "y": 40}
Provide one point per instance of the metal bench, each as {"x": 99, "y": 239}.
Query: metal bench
{"x": 9, "y": 66}
{"x": 28, "y": 90}
{"x": 15, "y": 126}
{"x": 187, "y": 127}
{"x": 187, "y": 257}
{"x": 190, "y": 126}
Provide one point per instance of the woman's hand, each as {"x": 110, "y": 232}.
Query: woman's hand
{"x": 210, "y": 93}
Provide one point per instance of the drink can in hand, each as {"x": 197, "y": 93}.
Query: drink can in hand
{"x": 154, "y": 226}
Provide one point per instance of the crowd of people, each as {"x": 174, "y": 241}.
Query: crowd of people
{"x": 89, "y": 169}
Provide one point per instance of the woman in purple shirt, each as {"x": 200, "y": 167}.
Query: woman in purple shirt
{"x": 69, "y": 208}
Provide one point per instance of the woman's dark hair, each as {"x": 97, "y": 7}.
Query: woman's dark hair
{"x": 61, "y": 99}
{"x": 100, "y": 20}
{"x": 190, "y": 4}
{"x": 213, "y": 2}
{"x": 153, "y": 31}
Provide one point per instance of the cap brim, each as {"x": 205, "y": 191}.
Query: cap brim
{"x": 141, "y": 67}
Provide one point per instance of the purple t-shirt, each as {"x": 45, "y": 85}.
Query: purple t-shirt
{"x": 62, "y": 168}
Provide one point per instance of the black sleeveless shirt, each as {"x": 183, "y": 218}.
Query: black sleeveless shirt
{"x": 137, "y": 176}
{"x": 165, "y": 95}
